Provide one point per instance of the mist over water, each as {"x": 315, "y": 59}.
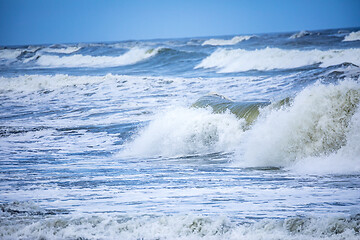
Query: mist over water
{"x": 231, "y": 137}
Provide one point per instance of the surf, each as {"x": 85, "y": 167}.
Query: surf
{"x": 240, "y": 60}
{"x": 134, "y": 55}
{"x": 317, "y": 122}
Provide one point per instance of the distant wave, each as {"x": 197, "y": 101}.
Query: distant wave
{"x": 354, "y": 36}
{"x": 133, "y": 56}
{"x": 9, "y": 53}
{"x": 37, "y": 82}
{"x": 30, "y": 83}
{"x": 318, "y": 132}
{"x": 300, "y": 34}
{"x": 238, "y": 60}
{"x": 221, "y": 42}
{"x": 66, "y": 50}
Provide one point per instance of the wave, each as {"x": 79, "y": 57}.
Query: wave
{"x": 353, "y": 36}
{"x": 322, "y": 122}
{"x": 30, "y": 83}
{"x": 9, "y": 54}
{"x": 133, "y": 56}
{"x": 300, "y": 34}
{"x": 51, "y": 224}
{"x": 238, "y": 60}
{"x": 222, "y": 42}
{"x": 66, "y": 50}
{"x": 183, "y": 131}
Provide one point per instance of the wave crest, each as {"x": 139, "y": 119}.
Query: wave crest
{"x": 300, "y": 34}
{"x": 322, "y": 122}
{"x": 318, "y": 123}
{"x": 183, "y": 131}
{"x": 222, "y": 42}
{"x": 133, "y": 56}
{"x": 102, "y": 226}
{"x": 238, "y": 60}
{"x": 353, "y": 36}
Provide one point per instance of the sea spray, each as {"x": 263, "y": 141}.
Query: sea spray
{"x": 317, "y": 123}
{"x": 183, "y": 131}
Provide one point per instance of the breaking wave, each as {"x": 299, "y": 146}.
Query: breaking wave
{"x": 222, "y": 42}
{"x": 354, "y": 36}
{"x": 322, "y": 122}
{"x": 238, "y": 60}
{"x": 66, "y": 50}
{"x": 9, "y": 54}
{"x": 182, "y": 131}
{"x": 133, "y": 56}
{"x": 29, "y": 83}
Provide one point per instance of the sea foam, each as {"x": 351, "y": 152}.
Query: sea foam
{"x": 238, "y": 60}
{"x": 30, "y": 83}
{"x": 102, "y": 226}
{"x": 222, "y": 42}
{"x": 133, "y": 56}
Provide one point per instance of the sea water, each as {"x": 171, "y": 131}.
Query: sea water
{"x": 228, "y": 137}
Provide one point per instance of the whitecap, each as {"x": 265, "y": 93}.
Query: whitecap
{"x": 221, "y": 42}
{"x": 300, "y": 34}
{"x": 10, "y": 54}
{"x": 66, "y": 50}
{"x": 319, "y": 132}
{"x": 183, "y": 131}
{"x": 238, "y": 60}
{"x": 353, "y": 36}
{"x": 133, "y": 56}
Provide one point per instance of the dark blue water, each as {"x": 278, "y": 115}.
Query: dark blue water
{"x": 227, "y": 137}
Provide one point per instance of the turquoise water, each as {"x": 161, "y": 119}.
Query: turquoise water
{"x": 229, "y": 137}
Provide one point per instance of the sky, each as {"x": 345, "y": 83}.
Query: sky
{"x": 26, "y": 22}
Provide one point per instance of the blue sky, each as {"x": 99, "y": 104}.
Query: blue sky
{"x": 70, "y": 21}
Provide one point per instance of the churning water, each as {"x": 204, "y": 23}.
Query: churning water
{"x": 233, "y": 137}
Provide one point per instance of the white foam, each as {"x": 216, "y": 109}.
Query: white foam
{"x": 238, "y": 60}
{"x": 184, "y": 131}
{"x": 317, "y": 130}
{"x": 66, "y": 50}
{"x": 29, "y": 83}
{"x": 180, "y": 227}
{"x": 133, "y": 56}
{"x": 222, "y": 42}
{"x": 353, "y": 36}
{"x": 346, "y": 160}
{"x": 9, "y": 54}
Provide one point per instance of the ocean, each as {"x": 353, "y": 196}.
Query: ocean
{"x": 227, "y": 137}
